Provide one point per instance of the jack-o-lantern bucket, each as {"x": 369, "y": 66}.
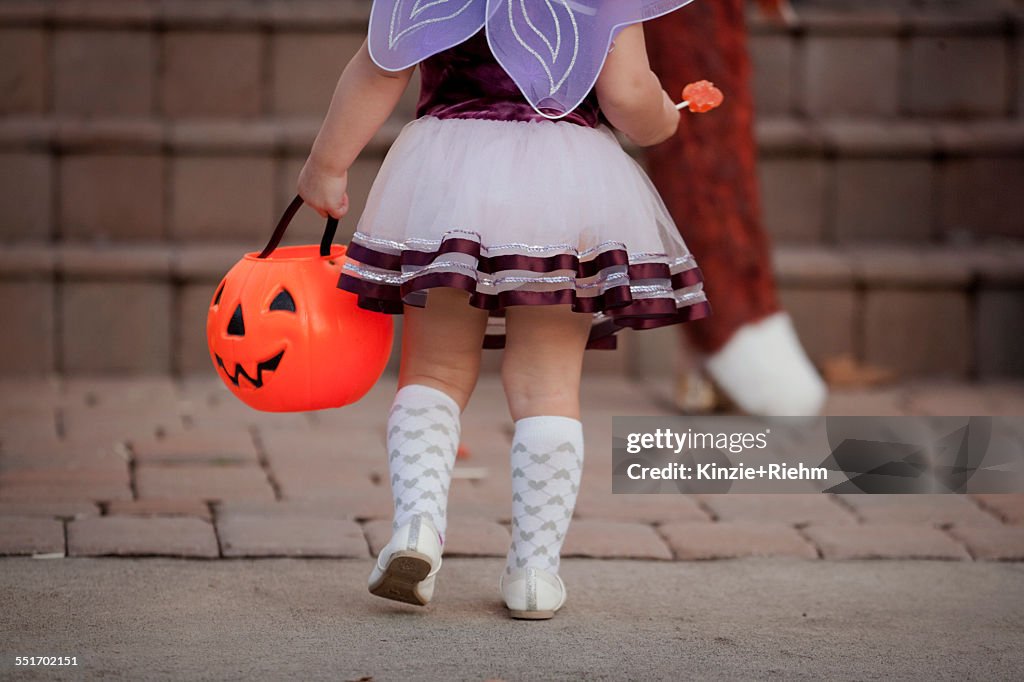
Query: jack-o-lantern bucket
{"x": 284, "y": 338}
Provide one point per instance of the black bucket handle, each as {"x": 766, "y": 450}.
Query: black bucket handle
{"x": 286, "y": 219}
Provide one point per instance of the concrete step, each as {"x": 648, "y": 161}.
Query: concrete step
{"x": 828, "y": 181}
{"x": 954, "y": 311}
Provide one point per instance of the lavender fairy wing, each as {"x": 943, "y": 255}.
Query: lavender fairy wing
{"x": 405, "y": 32}
{"x": 555, "y": 49}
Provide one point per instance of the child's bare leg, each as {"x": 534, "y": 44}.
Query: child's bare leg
{"x": 543, "y": 360}
{"x": 441, "y": 347}
{"x": 441, "y": 344}
{"x": 541, "y": 374}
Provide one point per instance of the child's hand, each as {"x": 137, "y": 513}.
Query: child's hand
{"x": 323, "y": 190}
{"x": 673, "y": 117}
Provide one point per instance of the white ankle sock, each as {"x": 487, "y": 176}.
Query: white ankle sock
{"x": 422, "y": 439}
{"x": 547, "y": 463}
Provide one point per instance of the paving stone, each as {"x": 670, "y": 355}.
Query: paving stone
{"x": 30, "y": 535}
{"x": 26, "y": 193}
{"x": 228, "y": 445}
{"x": 614, "y": 540}
{"x": 291, "y": 536}
{"x": 241, "y": 209}
{"x": 83, "y": 61}
{"x": 825, "y": 320}
{"x": 470, "y": 500}
{"x": 1008, "y": 507}
{"x": 324, "y": 479}
{"x": 241, "y": 482}
{"x": 104, "y": 210}
{"x": 1004, "y": 543}
{"x": 918, "y": 332}
{"x": 788, "y": 509}
{"x": 115, "y": 476}
{"x": 999, "y": 328}
{"x": 64, "y": 492}
{"x": 363, "y": 502}
{"x": 920, "y": 509}
{"x": 29, "y": 307}
{"x": 978, "y": 196}
{"x": 127, "y": 536}
{"x": 870, "y": 402}
{"x": 957, "y": 76}
{"x": 464, "y": 537}
{"x": 160, "y": 507}
{"x": 24, "y": 71}
{"x": 773, "y": 61}
{"x": 212, "y": 74}
{"x": 476, "y": 537}
{"x": 35, "y": 452}
{"x": 135, "y": 392}
{"x": 123, "y": 326}
{"x": 331, "y": 508}
{"x": 793, "y": 193}
{"x": 851, "y": 76}
{"x": 732, "y": 540}
{"x": 306, "y": 67}
{"x": 944, "y": 398}
{"x": 107, "y": 427}
{"x": 890, "y": 541}
{"x": 597, "y": 502}
{"x": 883, "y": 200}
{"x": 42, "y": 508}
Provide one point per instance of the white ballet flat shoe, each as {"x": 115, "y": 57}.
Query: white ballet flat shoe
{"x": 407, "y": 566}
{"x": 764, "y": 370}
{"x": 532, "y": 593}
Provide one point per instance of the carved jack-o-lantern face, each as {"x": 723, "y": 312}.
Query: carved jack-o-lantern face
{"x": 283, "y": 337}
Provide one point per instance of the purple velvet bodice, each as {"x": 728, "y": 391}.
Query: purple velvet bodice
{"x": 466, "y": 81}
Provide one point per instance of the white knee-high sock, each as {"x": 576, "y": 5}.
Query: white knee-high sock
{"x": 547, "y": 464}
{"x": 422, "y": 439}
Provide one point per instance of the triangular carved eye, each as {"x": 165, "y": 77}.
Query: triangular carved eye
{"x": 216, "y": 299}
{"x": 283, "y": 301}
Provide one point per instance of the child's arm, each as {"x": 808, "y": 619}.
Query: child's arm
{"x": 363, "y": 99}
{"x": 631, "y": 96}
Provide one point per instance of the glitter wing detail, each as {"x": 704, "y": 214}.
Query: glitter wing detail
{"x": 405, "y": 32}
{"x": 552, "y": 49}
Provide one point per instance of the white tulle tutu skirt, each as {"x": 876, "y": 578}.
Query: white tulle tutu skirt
{"x": 522, "y": 213}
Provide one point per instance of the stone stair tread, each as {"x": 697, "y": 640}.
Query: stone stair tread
{"x": 842, "y": 136}
{"x": 943, "y": 266}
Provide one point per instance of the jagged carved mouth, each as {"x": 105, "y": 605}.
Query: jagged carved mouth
{"x": 257, "y": 381}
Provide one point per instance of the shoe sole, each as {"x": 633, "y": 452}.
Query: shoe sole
{"x": 402, "y": 577}
{"x": 531, "y": 615}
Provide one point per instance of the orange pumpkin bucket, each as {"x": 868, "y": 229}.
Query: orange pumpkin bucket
{"x": 284, "y": 338}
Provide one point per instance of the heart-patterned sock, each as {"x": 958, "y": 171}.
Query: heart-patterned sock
{"x": 547, "y": 464}
{"x": 422, "y": 439}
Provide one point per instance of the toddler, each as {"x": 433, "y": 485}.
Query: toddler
{"x": 506, "y": 215}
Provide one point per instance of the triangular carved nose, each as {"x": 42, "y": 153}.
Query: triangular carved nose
{"x": 236, "y": 327}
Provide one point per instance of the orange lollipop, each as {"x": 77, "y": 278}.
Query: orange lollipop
{"x": 701, "y": 97}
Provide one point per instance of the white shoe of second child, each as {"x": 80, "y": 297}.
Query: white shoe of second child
{"x": 407, "y": 566}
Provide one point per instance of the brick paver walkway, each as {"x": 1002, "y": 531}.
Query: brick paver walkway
{"x": 159, "y": 467}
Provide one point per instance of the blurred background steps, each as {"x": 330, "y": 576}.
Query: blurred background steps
{"x": 145, "y": 144}
{"x": 917, "y": 311}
